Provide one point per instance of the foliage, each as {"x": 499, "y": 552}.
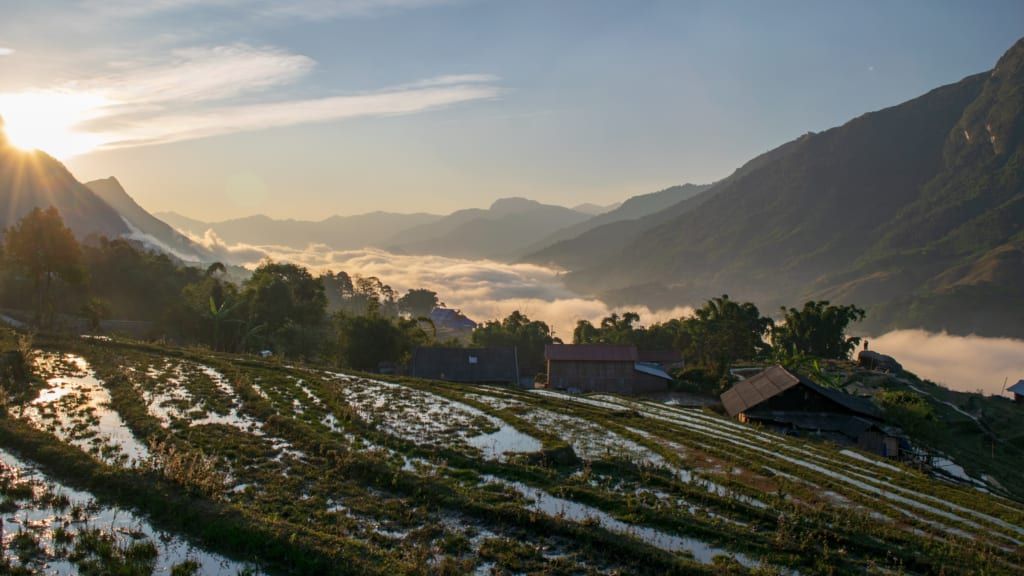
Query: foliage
{"x": 290, "y": 303}
{"x": 908, "y": 409}
{"x": 723, "y": 331}
{"x": 528, "y": 336}
{"x": 43, "y": 248}
{"x": 366, "y": 342}
{"x": 418, "y": 302}
{"x": 95, "y": 311}
{"x": 624, "y": 329}
{"x": 818, "y": 329}
{"x": 698, "y": 381}
{"x": 191, "y": 469}
{"x": 137, "y": 284}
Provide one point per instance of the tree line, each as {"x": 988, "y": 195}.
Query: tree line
{"x": 357, "y": 322}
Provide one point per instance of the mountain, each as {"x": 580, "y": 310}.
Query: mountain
{"x": 572, "y": 247}
{"x": 144, "y": 227}
{"x": 36, "y": 180}
{"x": 503, "y": 232}
{"x": 338, "y": 232}
{"x": 592, "y": 209}
{"x": 915, "y": 211}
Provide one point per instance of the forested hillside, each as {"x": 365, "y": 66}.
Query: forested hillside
{"x": 914, "y": 210}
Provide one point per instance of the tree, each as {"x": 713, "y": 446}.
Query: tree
{"x": 418, "y": 303}
{"x": 43, "y": 248}
{"x": 528, "y": 336}
{"x": 290, "y": 303}
{"x": 723, "y": 331}
{"x": 625, "y": 329}
{"x": 95, "y": 311}
{"x": 818, "y": 329}
{"x": 366, "y": 341}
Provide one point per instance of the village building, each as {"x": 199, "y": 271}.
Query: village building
{"x": 469, "y": 365}
{"x": 451, "y": 320}
{"x": 792, "y": 404}
{"x": 603, "y": 368}
{"x": 1018, "y": 391}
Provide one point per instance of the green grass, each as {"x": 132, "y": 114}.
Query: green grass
{"x": 297, "y": 496}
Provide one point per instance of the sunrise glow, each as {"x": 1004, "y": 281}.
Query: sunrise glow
{"x": 50, "y": 121}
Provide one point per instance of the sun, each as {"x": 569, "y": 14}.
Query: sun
{"x": 50, "y": 121}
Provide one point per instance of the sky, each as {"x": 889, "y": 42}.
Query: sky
{"x": 308, "y": 108}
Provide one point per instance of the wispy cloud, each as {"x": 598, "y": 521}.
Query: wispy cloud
{"x": 323, "y": 9}
{"x": 6, "y": 51}
{"x": 133, "y": 130}
{"x": 300, "y": 9}
{"x": 203, "y": 74}
{"x": 207, "y": 91}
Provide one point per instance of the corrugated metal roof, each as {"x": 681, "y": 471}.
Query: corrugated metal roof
{"x": 590, "y": 353}
{"x": 774, "y": 380}
{"x": 1017, "y": 388}
{"x": 652, "y": 370}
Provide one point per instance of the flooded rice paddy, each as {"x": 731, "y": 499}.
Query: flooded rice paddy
{"x": 472, "y": 479}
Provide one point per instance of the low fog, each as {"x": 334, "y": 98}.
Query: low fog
{"x": 482, "y": 289}
{"x": 486, "y": 289}
{"x": 965, "y": 363}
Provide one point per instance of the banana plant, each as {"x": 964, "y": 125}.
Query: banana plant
{"x": 219, "y": 315}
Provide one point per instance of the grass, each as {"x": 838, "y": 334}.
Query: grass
{"x": 305, "y": 472}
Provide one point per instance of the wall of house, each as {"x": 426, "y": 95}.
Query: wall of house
{"x": 615, "y": 377}
{"x": 591, "y": 376}
{"x": 799, "y": 399}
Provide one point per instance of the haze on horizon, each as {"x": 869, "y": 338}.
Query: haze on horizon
{"x": 305, "y": 109}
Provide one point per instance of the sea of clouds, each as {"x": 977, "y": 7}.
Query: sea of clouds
{"x": 964, "y": 363}
{"x": 485, "y": 289}
{"x": 482, "y": 289}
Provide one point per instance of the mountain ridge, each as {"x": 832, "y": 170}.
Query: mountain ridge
{"x": 913, "y": 211}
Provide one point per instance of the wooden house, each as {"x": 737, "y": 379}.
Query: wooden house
{"x": 779, "y": 399}
{"x": 470, "y": 365}
{"x": 602, "y": 368}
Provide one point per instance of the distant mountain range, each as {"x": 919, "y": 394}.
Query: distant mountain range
{"x": 503, "y": 231}
{"x": 915, "y": 211}
{"x": 338, "y": 232}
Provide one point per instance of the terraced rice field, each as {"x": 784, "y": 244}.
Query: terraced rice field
{"x": 302, "y": 469}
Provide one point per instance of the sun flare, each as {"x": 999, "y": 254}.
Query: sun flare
{"x": 50, "y": 121}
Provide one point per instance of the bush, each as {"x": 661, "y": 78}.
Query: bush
{"x": 699, "y": 381}
{"x": 912, "y": 412}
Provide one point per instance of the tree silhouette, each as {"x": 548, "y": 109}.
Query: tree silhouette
{"x": 44, "y": 249}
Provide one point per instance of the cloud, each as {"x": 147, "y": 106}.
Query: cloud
{"x": 207, "y": 91}
{"x": 221, "y": 251}
{"x": 279, "y": 9}
{"x": 6, "y": 51}
{"x": 483, "y": 289}
{"x": 203, "y": 74}
{"x": 132, "y": 130}
{"x": 964, "y": 363}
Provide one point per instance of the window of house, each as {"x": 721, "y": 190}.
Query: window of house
{"x": 473, "y": 360}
